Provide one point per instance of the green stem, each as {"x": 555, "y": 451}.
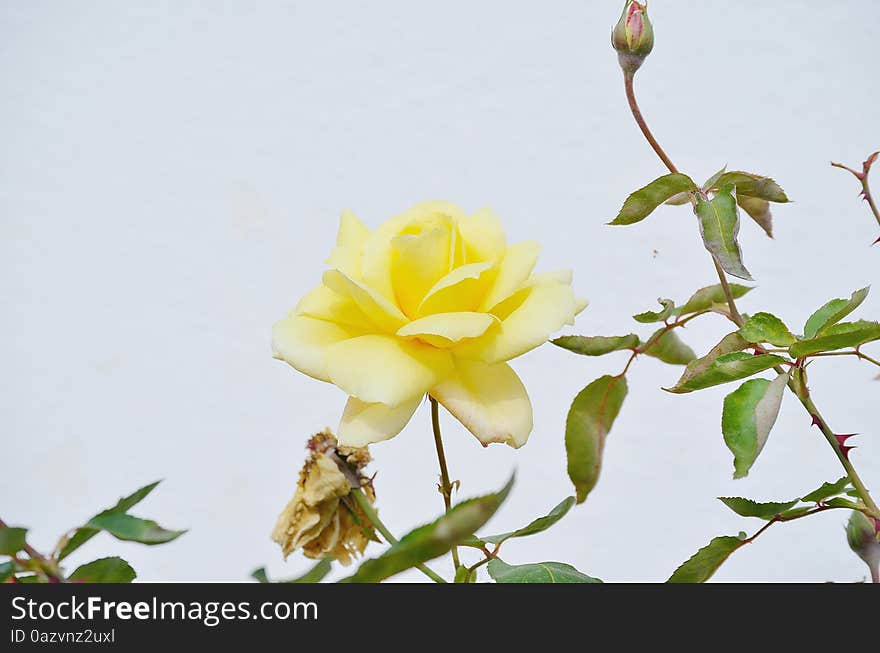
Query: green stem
{"x": 367, "y": 508}
{"x": 867, "y": 193}
{"x": 736, "y": 317}
{"x": 858, "y": 354}
{"x": 445, "y": 484}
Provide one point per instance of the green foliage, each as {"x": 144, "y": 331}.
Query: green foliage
{"x": 12, "y": 539}
{"x": 642, "y": 203}
{"x": 133, "y": 529}
{"x": 7, "y": 570}
{"x": 838, "y": 336}
{"x": 719, "y": 226}
{"x": 85, "y": 533}
{"x": 706, "y": 298}
{"x": 538, "y": 525}
{"x": 705, "y": 562}
{"x": 766, "y": 327}
{"x": 670, "y": 349}
{"x": 590, "y": 418}
{"x": 314, "y": 575}
{"x": 537, "y": 572}
{"x": 762, "y": 510}
{"x": 723, "y": 369}
{"x": 104, "y": 570}
{"x": 596, "y": 345}
{"x": 827, "y": 490}
{"x": 752, "y": 185}
{"x": 432, "y": 540}
{"x": 749, "y": 414}
{"x": 659, "y": 316}
{"x": 833, "y": 312}
{"x": 758, "y": 210}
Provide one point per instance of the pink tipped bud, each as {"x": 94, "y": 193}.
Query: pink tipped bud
{"x": 633, "y": 36}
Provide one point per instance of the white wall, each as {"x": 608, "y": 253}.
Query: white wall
{"x": 170, "y": 179}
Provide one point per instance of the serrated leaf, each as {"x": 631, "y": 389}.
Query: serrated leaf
{"x": 538, "y": 525}
{"x": 537, "y": 572}
{"x": 705, "y": 562}
{"x": 596, "y": 345}
{"x": 85, "y": 533}
{"x": 730, "y": 343}
{"x": 752, "y": 185}
{"x": 314, "y": 575}
{"x": 133, "y": 529}
{"x": 707, "y": 297}
{"x": 431, "y": 540}
{"x": 12, "y": 539}
{"x": 642, "y": 203}
{"x": 749, "y": 414}
{"x": 827, "y": 490}
{"x": 833, "y": 312}
{"x": 104, "y": 570}
{"x": 766, "y": 327}
{"x": 758, "y": 210}
{"x": 670, "y": 349}
{"x": 589, "y": 420}
{"x": 838, "y": 336}
{"x": 719, "y": 226}
{"x": 724, "y": 369}
{"x": 762, "y": 510}
{"x": 840, "y": 502}
{"x": 659, "y": 316}
{"x": 711, "y": 182}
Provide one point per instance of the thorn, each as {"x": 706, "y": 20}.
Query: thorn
{"x": 876, "y": 241}
{"x": 845, "y": 451}
{"x": 816, "y": 421}
{"x": 843, "y": 437}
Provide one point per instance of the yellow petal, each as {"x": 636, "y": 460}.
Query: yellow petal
{"x": 544, "y": 309}
{"x": 513, "y": 272}
{"x": 419, "y": 261}
{"x": 350, "y": 240}
{"x": 381, "y": 312}
{"x": 483, "y": 236}
{"x": 302, "y": 342}
{"x": 364, "y": 424}
{"x": 385, "y": 369}
{"x": 324, "y": 304}
{"x": 460, "y": 290}
{"x": 446, "y": 329}
{"x": 489, "y": 400}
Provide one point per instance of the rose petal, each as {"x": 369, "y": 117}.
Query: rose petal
{"x": 364, "y": 423}
{"x": 446, "y": 329}
{"x": 302, "y": 342}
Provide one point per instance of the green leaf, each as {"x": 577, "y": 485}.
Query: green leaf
{"x": 660, "y": 316}
{"x": 641, "y": 203}
{"x": 726, "y": 368}
{"x": 590, "y": 418}
{"x": 840, "y": 502}
{"x": 838, "y": 336}
{"x": 678, "y": 199}
{"x": 670, "y": 349}
{"x": 762, "y": 510}
{"x": 538, "y": 525}
{"x": 707, "y": 297}
{"x": 705, "y": 562}
{"x": 712, "y": 181}
{"x": 85, "y": 533}
{"x": 796, "y": 512}
{"x": 314, "y": 575}
{"x": 752, "y": 185}
{"x": 596, "y": 345}
{"x": 833, "y": 312}
{"x": 827, "y": 490}
{"x": 133, "y": 529}
{"x": 104, "y": 570}
{"x": 758, "y": 210}
{"x": 730, "y": 343}
{"x": 719, "y": 226}
{"x": 432, "y": 540}
{"x": 7, "y": 570}
{"x": 765, "y": 327}
{"x": 749, "y": 414}
{"x": 537, "y": 572}
{"x": 12, "y": 540}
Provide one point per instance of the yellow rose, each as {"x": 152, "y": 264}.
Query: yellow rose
{"x": 432, "y": 302}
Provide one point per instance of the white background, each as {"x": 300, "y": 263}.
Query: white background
{"x": 171, "y": 175}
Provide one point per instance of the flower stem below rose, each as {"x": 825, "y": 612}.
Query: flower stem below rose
{"x": 445, "y": 484}
{"x": 367, "y": 508}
